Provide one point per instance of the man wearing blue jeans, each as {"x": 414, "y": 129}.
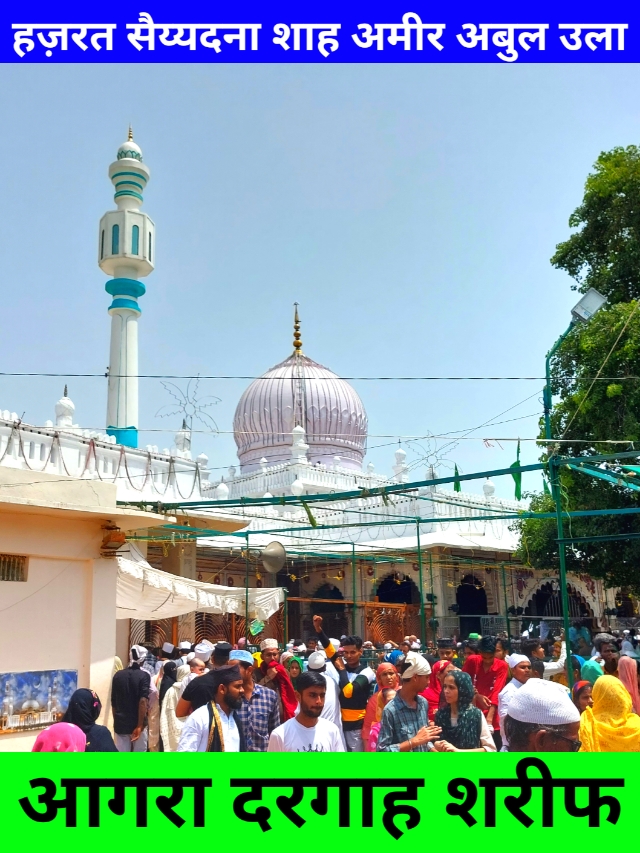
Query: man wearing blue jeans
{"x": 129, "y": 702}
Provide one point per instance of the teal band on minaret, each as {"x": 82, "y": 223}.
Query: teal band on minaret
{"x": 126, "y": 249}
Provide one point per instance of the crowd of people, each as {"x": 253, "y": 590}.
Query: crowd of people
{"x": 330, "y": 695}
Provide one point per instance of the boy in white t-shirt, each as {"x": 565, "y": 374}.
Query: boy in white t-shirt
{"x": 307, "y": 731}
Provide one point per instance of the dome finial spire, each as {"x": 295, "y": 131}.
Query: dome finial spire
{"x": 130, "y": 136}
{"x": 297, "y": 343}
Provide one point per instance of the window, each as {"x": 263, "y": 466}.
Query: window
{"x": 102, "y": 245}
{"x": 135, "y": 240}
{"x": 150, "y": 258}
{"x": 13, "y": 568}
{"x": 115, "y": 240}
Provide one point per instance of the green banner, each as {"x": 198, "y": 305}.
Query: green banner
{"x": 267, "y": 801}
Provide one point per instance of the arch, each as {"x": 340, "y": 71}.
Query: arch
{"x": 396, "y": 588}
{"x": 102, "y": 244}
{"x": 333, "y": 615}
{"x": 150, "y": 258}
{"x": 135, "y": 240}
{"x": 546, "y": 602}
{"x": 115, "y": 239}
{"x": 624, "y": 603}
{"x": 471, "y": 599}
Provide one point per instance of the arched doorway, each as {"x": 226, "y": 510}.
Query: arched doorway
{"x": 333, "y": 615}
{"x": 285, "y": 579}
{"x": 547, "y": 603}
{"x": 398, "y": 589}
{"x": 471, "y": 599}
{"x": 624, "y": 603}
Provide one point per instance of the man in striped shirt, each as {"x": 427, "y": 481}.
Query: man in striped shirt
{"x": 259, "y": 713}
{"x": 405, "y": 720}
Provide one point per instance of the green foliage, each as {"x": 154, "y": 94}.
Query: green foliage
{"x": 605, "y": 252}
{"x": 611, "y": 408}
{"x": 590, "y": 415}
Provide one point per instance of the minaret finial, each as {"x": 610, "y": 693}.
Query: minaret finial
{"x": 66, "y": 392}
{"x": 297, "y": 343}
{"x": 130, "y": 136}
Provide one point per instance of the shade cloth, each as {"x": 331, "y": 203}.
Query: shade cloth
{"x": 146, "y": 593}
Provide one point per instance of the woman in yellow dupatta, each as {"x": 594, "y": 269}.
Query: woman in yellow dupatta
{"x": 610, "y": 726}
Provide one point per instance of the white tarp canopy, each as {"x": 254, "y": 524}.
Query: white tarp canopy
{"x": 147, "y": 593}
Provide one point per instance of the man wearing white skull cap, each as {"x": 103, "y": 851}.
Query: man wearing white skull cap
{"x": 521, "y": 671}
{"x": 542, "y": 718}
{"x": 405, "y": 720}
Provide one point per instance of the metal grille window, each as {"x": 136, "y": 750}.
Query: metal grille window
{"x": 13, "y": 568}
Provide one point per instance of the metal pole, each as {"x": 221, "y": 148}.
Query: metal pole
{"x": 434, "y": 630}
{"x": 423, "y": 621}
{"x": 353, "y": 587}
{"x": 546, "y": 394}
{"x": 557, "y": 496}
{"x": 554, "y": 476}
{"x": 285, "y": 618}
{"x": 506, "y": 607}
{"x": 246, "y": 591}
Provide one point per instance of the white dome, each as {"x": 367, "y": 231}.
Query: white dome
{"x": 129, "y": 149}
{"x": 489, "y": 489}
{"x": 298, "y": 391}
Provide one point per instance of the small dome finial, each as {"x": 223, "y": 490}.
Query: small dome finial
{"x": 130, "y": 136}
{"x": 297, "y": 343}
{"x": 66, "y": 391}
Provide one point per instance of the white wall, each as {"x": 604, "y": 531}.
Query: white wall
{"x": 63, "y": 616}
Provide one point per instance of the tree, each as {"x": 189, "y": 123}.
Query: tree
{"x": 605, "y": 252}
{"x": 591, "y": 415}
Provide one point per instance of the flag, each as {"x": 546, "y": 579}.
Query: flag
{"x": 517, "y": 476}
{"x": 545, "y": 486}
{"x": 456, "y": 483}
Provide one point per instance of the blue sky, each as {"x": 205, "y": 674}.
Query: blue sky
{"x": 410, "y": 210}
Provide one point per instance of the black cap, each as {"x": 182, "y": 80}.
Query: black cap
{"x": 225, "y": 674}
{"x": 446, "y": 643}
{"x": 487, "y": 644}
{"x": 223, "y": 647}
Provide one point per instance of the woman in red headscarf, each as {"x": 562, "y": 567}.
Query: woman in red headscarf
{"x": 386, "y": 676}
{"x": 433, "y": 693}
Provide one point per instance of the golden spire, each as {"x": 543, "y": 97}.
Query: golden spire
{"x": 297, "y": 343}
{"x": 130, "y": 136}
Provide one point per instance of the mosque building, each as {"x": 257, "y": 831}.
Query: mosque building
{"x": 429, "y": 560}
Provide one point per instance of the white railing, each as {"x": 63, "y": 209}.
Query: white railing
{"x": 139, "y": 474}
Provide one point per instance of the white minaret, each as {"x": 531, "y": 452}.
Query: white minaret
{"x": 126, "y": 250}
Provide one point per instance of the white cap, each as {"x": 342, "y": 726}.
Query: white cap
{"x": 417, "y": 666}
{"x": 543, "y": 702}
{"x": 416, "y": 646}
{"x": 185, "y": 646}
{"x": 514, "y": 660}
{"x": 316, "y": 661}
{"x": 202, "y": 651}
{"x": 137, "y": 654}
{"x": 268, "y": 644}
{"x": 168, "y": 648}
{"x": 388, "y": 646}
{"x": 190, "y": 656}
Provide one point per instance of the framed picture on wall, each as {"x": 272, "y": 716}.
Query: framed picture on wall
{"x": 33, "y": 700}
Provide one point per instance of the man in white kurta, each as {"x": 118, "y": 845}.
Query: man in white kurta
{"x": 331, "y": 711}
{"x": 520, "y": 667}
